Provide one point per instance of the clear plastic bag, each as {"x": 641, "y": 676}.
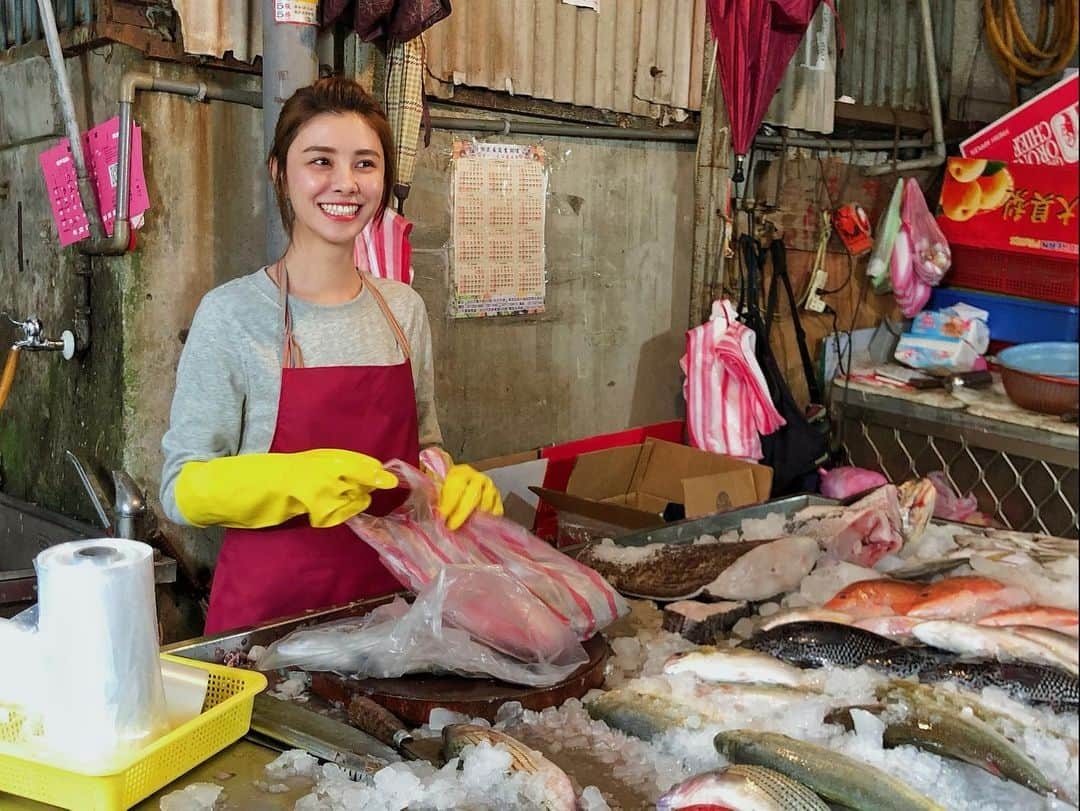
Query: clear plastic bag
{"x": 471, "y": 620}
{"x": 930, "y": 254}
{"x": 950, "y": 506}
{"x": 415, "y": 544}
{"x": 888, "y": 226}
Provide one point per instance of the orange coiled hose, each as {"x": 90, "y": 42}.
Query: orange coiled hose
{"x": 1022, "y": 59}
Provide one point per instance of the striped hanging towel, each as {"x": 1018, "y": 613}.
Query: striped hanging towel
{"x": 727, "y": 399}
{"x": 384, "y": 242}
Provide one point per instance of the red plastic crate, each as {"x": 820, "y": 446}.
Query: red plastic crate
{"x": 1015, "y": 274}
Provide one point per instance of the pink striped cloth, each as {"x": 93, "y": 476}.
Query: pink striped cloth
{"x": 384, "y": 244}
{"x": 727, "y": 399}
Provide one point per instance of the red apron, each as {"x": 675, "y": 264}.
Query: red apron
{"x": 263, "y": 574}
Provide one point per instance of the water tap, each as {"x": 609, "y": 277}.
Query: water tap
{"x": 34, "y": 338}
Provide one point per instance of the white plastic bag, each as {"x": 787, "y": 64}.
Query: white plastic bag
{"x": 445, "y": 630}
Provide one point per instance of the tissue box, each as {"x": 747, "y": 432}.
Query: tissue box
{"x": 940, "y": 355}
{"x": 960, "y": 322}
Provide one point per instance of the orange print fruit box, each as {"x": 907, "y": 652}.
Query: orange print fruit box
{"x": 1010, "y": 207}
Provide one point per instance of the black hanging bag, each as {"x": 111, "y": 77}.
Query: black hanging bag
{"x": 795, "y": 451}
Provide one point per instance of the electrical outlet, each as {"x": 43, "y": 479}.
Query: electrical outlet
{"x": 814, "y": 302}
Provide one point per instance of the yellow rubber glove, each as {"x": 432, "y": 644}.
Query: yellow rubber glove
{"x": 465, "y": 491}
{"x": 266, "y": 489}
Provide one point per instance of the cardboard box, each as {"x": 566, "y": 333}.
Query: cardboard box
{"x": 1042, "y": 131}
{"x": 1019, "y": 207}
{"x": 632, "y": 486}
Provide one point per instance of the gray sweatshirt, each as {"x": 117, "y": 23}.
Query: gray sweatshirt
{"x": 229, "y": 376}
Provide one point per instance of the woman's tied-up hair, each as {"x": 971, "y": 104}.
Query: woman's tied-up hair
{"x": 334, "y": 94}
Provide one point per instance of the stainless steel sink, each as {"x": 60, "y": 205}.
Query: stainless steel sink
{"x": 26, "y": 529}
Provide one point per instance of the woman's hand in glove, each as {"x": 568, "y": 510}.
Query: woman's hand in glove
{"x": 465, "y": 491}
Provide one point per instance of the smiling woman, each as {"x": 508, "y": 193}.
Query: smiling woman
{"x": 280, "y": 445}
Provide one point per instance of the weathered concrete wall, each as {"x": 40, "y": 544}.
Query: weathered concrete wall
{"x": 54, "y": 405}
{"x": 604, "y": 355}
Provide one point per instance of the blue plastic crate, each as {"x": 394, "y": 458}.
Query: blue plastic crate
{"x": 1015, "y": 320}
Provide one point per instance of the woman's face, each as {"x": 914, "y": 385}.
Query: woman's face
{"x": 334, "y": 177}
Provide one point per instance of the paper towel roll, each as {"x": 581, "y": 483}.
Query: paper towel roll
{"x": 98, "y": 633}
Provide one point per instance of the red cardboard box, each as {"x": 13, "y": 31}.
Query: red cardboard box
{"x": 1041, "y": 131}
{"x": 1010, "y": 207}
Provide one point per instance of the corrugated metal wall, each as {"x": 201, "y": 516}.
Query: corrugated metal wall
{"x": 631, "y": 56}
{"x": 882, "y": 64}
{"x": 805, "y": 98}
{"x": 19, "y": 22}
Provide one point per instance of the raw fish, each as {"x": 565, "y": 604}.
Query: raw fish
{"x": 647, "y": 708}
{"x": 863, "y": 533}
{"x": 804, "y": 615}
{"x": 819, "y": 644}
{"x": 670, "y": 572}
{"x": 745, "y": 788}
{"x": 835, "y": 777}
{"x": 733, "y": 665}
{"x": 948, "y": 733}
{"x": 770, "y": 569}
{"x": 898, "y": 629}
{"x": 917, "y": 500}
{"x": 559, "y": 792}
{"x": 1061, "y": 620}
{"x": 1024, "y": 681}
{"x": 876, "y": 598}
{"x": 906, "y": 660}
{"x": 967, "y": 598}
{"x": 978, "y": 640}
{"x": 1063, "y": 646}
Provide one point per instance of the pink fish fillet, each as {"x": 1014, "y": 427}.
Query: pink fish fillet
{"x": 863, "y": 533}
{"x": 897, "y": 628}
{"x": 968, "y": 598}
{"x": 1061, "y": 620}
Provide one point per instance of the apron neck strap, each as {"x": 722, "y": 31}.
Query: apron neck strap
{"x": 291, "y": 356}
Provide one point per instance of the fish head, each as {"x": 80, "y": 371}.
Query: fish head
{"x": 457, "y": 736}
{"x": 710, "y": 790}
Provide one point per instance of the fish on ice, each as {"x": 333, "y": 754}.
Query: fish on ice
{"x": 744, "y": 788}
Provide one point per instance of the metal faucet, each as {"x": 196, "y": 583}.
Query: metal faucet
{"x": 128, "y": 505}
{"x": 34, "y": 339}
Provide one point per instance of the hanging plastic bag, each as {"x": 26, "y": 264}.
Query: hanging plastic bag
{"x": 887, "y": 228}
{"x": 415, "y": 544}
{"x": 844, "y": 482}
{"x": 930, "y": 254}
{"x": 728, "y": 403}
{"x": 911, "y": 292}
{"x": 470, "y": 620}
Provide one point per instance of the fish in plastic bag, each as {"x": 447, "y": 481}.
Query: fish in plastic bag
{"x": 470, "y": 620}
{"x": 415, "y": 544}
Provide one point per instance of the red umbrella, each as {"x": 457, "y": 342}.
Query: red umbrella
{"x": 755, "y": 42}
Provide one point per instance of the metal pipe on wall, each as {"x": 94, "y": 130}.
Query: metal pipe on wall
{"x": 554, "y": 130}
{"x": 288, "y": 63}
{"x": 131, "y": 83}
{"x": 507, "y": 127}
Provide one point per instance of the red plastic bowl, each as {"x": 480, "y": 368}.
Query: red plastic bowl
{"x": 1042, "y": 393}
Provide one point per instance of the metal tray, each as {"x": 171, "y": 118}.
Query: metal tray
{"x": 693, "y": 528}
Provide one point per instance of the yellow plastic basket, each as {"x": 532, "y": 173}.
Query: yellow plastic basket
{"x": 225, "y": 718}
